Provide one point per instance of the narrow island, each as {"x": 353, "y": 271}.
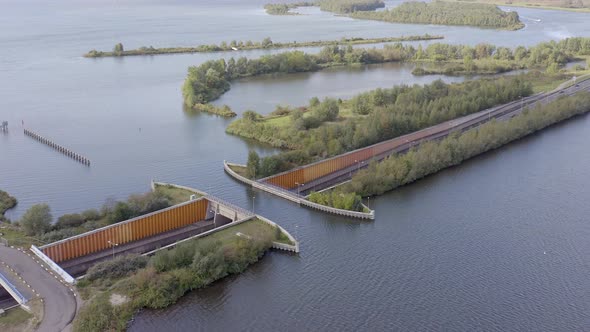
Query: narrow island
{"x": 447, "y": 13}
{"x": 573, "y": 5}
{"x": 266, "y": 43}
{"x": 335, "y": 6}
{"x": 210, "y": 80}
{"x": 476, "y": 14}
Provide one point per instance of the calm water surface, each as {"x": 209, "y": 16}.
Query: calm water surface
{"x": 500, "y": 243}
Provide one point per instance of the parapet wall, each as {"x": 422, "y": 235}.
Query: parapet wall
{"x": 294, "y": 198}
{"x": 127, "y": 231}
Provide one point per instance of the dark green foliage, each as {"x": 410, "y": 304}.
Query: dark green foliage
{"x": 96, "y": 316}
{"x": 350, "y": 6}
{"x": 224, "y": 111}
{"x": 193, "y": 265}
{"x": 69, "y": 220}
{"x": 327, "y": 110}
{"x": 116, "y": 268}
{"x": 251, "y": 116}
{"x": 37, "y": 220}
{"x": 135, "y": 206}
{"x": 431, "y": 157}
{"x": 284, "y": 8}
{"x": 388, "y": 113}
{"x": 337, "y": 199}
{"x": 59, "y": 234}
{"x": 6, "y": 202}
{"x": 210, "y": 80}
{"x": 447, "y": 13}
{"x": 253, "y": 165}
{"x": 118, "y": 49}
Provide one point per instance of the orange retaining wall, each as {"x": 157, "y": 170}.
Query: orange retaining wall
{"x": 127, "y": 231}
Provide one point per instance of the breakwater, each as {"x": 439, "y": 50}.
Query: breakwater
{"x": 77, "y": 157}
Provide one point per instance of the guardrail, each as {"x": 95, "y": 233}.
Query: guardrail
{"x": 12, "y": 290}
{"x": 52, "y": 265}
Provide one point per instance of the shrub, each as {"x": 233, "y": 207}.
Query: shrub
{"x": 37, "y": 219}
{"x": 116, "y": 268}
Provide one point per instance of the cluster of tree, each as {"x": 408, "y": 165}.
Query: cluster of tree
{"x": 38, "y": 220}
{"x": 6, "y": 202}
{"x": 386, "y": 114}
{"x": 446, "y": 13}
{"x": 211, "y": 79}
{"x": 257, "y": 167}
{"x": 336, "y": 6}
{"x": 168, "y": 275}
{"x": 224, "y": 111}
{"x": 431, "y": 157}
{"x": 338, "y": 199}
{"x": 285, "y": 8}
{"x": 350, "y": 6}
{"x": 266, "y": 43}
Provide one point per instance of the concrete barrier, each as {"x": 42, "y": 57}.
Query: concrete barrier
{"x": 295, "y": 198}
{"x": 53, "y": 266}
{"x": 157, "y": 183}
{"x": 278, "y": 245}
{"x": 12, "y": 290}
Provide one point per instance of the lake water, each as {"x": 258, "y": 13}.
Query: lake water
{"x": 499, "y": 243}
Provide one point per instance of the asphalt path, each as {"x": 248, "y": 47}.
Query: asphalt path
{"x": 58, "y": 299}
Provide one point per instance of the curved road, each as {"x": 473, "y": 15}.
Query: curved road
{"x": 59, "y": 301}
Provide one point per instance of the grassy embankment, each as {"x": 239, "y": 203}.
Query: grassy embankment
{"x": 115, "y": 290}
{"x": 267, "y": 43}
{"x": 176, "y": 195}
{"x": 537, "y": 4}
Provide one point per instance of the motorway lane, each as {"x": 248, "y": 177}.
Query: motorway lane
{"x": 58, "y": 299}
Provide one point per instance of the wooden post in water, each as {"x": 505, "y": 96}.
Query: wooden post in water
{"x": 54, "y": 145}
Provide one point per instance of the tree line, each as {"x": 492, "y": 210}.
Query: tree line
{"x": 38, "y": 220}
{"x": 446, "y": 13}
{"x": 336, "y": 6}
{"x": 383, "y": 114}
{"x": 431, "y": 157}
{"x": 211, "y": 79}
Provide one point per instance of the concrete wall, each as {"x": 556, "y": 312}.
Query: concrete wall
{"x": 294, "y": 198}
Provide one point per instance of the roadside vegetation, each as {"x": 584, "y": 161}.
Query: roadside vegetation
{"x": 432, "y": 157}
{"x": 447, "y": 13}
{"x": 210, "y": 80}
{"x": 330, "y": 127}
{"x": 159, "y": 281}
{"x": 265, "y": 44}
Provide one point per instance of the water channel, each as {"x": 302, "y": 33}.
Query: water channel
{"x": 499, "y": 243}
